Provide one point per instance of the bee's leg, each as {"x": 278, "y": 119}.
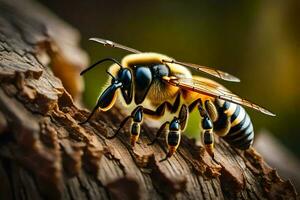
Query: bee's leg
{"x": 206, "y": 123}
{"x": 160, "y": 110}
{"x": 183, "y": 117}
{"x": 120, "y": 127}
{"x": 159, "y": 132}
{"x": 208, "y": 140}
{"x": 207, "y": 126}
{"x": 137, "y": 116}
{"x": 177, "y": 125}
{"x": 211, "y": 110}
{"x": 173, "y": 138}
{"x": 91, "y": 114}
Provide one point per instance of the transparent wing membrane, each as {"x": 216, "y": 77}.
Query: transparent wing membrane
{"x": 208, "y": 70}
{"x": 213, "y": 90}
{"x": 211, "y": 71}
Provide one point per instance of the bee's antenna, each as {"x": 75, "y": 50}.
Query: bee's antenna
{"x": 100, "y": 61}
{"x": 110, "y": 75}
{"x": 114, "y": 45}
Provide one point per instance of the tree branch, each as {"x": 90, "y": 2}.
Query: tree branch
{"x": 44, "y": 153}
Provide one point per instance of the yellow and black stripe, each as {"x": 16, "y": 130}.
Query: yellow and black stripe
{"x": 241, "y": 132}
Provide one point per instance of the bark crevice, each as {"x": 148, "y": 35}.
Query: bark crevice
{"x": 46, "y": 153}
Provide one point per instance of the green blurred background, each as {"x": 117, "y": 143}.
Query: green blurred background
{"x": 258, "y": 41}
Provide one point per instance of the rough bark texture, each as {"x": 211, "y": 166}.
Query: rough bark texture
{"x": 44, "y": 153}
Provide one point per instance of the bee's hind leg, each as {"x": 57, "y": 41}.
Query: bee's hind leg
{"x": 206, "y": 123}
{"x": 159, "y": 132}
{"x": 176, "y": 127}
{"x": 211, "y": 110}
{"x": 207, "y": 126}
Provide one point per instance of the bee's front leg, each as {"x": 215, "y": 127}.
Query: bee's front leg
{"x": 135, "y": 129}
{"x": 137, "y": 118}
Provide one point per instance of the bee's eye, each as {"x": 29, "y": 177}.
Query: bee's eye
{"x": 143, "y": 80}
{"x": 160, "y": 70}
{"x": 143, "y": 77}
{"x": 125, "y": 77}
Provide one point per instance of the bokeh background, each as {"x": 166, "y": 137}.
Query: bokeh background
{"x": 258, "y": 41}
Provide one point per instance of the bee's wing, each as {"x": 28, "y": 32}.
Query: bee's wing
{"x": 214, "y": 72}
{"x": 211, "y": 71}
{"x": 213, "y": 90}
{"x": 114, "y": 45}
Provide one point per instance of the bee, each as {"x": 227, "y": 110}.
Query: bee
{"x": 159, "y": 84}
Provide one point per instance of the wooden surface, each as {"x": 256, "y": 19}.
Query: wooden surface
{"x": 45, "y": 154}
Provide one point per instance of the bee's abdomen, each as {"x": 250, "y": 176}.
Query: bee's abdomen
{"x": 241, "y": 132}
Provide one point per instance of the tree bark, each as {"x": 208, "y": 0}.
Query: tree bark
{"x": 45, "y": 154}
